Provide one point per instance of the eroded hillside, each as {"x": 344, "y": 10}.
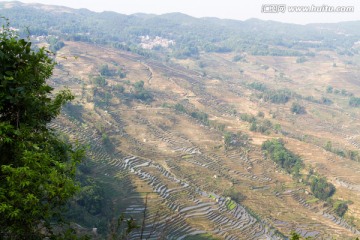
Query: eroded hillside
{"x": 186, "y": 142}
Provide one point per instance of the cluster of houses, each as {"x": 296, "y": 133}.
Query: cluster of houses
{"x": 149, "y": 42}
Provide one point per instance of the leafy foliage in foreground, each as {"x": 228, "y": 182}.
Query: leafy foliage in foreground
{"x": 37, "y": 168}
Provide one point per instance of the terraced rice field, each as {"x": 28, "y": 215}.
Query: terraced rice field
{"x": 180, "y": 164}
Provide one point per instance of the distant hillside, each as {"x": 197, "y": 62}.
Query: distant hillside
{"x": 190, "y": 34}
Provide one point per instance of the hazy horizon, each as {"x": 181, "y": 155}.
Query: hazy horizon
{"x": 225, "y": 9}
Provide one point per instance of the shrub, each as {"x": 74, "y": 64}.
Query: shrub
{"x": 354, "y": 102}
{"x": 340, "y": 208}
{"x": 179, "y": 107}
{"x": 258, "y": 86}
{"x": 321, "y": 188}
{"x": 201, "y": 116}
{"x": 297, "y": 108}
{"x": 234, "y": 195}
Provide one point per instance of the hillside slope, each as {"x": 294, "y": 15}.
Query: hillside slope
{"x": 180, "y": 161}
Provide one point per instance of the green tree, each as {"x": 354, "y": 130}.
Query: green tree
{"x": 121, "y": 73}
{"x": 201, "y": 116}
{"x": 353, "y": 155}
{"x": 329, "y": 89}
{"x": 105, "y": 71}
{"x": 297, "y": 108}
{"x": 253, "y": 127}
{"x": 118, "y": 88}
{"x": 55, "y": 44}
{"x": 321, "y": 188}
{"x": 328, "y": 146}
{"x": 234, "y": 195}
{"x": 294, "y": 236}
{"x": 227, "y": 140}
{"x": 180, "y": 108}
{"x": 277, "y": 127}
{"x": 354, "y": 102}
{"x": 141, "y": 93}
{"x": 100, "y": 81}
{"x": 260, "y": 114}
{"x": 286, "y": 159}
{"x": 37, "y": 168}
{"x": 340, "y": 208}
{"x": 139, "y": 86}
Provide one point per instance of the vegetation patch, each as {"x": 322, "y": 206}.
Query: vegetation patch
{"x": 230, "y": 204}
{"x": 205, "y": 236}
{"x": 340, "y": 207}
{"x": 296, "y": 108}
{"x": 232, "y": 140}
{"x": 354, "y": 102}
{"x": 284, "y": 158}
{"x": 350, "y": 154}
{"x": 321, "y": 188}
{"x": 234, "y": 195}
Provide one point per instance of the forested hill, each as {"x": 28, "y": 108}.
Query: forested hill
{"x": 190, "y": 34}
